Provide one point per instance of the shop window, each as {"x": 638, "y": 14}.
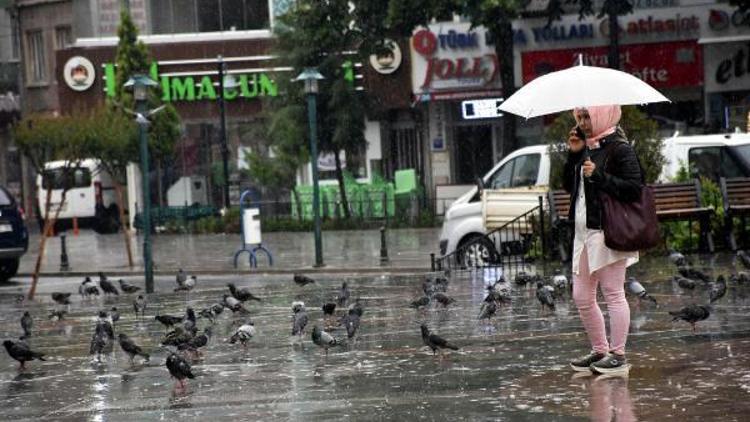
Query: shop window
{"x": 185, "y": 16}
{"x": 37, "y": 57}
{"x": 63, "y": 37}
{"x": 713, "y": 162}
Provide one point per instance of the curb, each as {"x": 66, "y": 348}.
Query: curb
{"x": 307, "y": 270}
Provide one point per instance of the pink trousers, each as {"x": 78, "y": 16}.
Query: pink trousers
{"x": 611, "y": 278}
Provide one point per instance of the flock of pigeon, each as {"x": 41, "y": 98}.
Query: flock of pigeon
{"x": 183, "y": 341}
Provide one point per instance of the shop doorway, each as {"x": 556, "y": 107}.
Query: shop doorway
{"x": 473, "y": 152}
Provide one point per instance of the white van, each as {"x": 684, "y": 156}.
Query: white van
{"x": 515, "y": 183}
{"x": 91, "y": 199}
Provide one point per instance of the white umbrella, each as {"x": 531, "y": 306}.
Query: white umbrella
{"x": 579, "y": 86}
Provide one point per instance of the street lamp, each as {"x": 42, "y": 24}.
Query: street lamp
{"x": 225, "y": 82}
{"x": 310, "y": 77}
{"x": 141, "y": 84}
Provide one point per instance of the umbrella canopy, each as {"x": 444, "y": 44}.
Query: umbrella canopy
{"x": 579, "y": 86}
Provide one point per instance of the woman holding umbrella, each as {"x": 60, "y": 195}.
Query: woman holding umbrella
{"x": 600, "y": 160}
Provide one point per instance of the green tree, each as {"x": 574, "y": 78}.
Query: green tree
{"x": 321, "y": 35}
{"x": 641, "y": 132}
{"x": 42, "y": 139}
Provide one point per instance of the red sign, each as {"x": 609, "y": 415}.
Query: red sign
{"x": 663, "y": 65}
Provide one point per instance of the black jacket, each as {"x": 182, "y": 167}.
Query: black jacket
{"x": 621, "y": 178}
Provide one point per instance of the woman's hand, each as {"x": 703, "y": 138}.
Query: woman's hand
{"x": 575, "y": 144}
{"x": 588, "y": 167}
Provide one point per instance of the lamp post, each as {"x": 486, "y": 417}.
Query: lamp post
{"x": 140, "y": 84}
{"x": 311, "y": 77}
{"x": 225, "y": 82}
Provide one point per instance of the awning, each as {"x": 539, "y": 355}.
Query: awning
{"x": 718, "y": 40}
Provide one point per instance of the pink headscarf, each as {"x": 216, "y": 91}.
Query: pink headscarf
{"x": 604, "y": 120}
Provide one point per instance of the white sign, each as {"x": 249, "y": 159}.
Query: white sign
{"x": 481, "y": 109}
{"x": 726, "y": 66}
{"x": 387, "y": 63}
{"x": 79, "y": 73}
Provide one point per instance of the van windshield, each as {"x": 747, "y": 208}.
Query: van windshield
{"x": 61, "y": 178}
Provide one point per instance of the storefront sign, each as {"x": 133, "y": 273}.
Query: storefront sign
{"x": 485, "y": 108}
{"x": 728, "y": 67}
{"x": 199, "y": 88}
{"x": 452, "y": 57}
{"x": 387, "y": 62}
{"x": 662, "y": 65}
{"x": 79, "y": 73}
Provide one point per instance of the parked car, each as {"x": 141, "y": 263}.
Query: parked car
{"x": 14, "y": 238}
{"x": 90, "y": 198}
{"x": 523, "y": 175}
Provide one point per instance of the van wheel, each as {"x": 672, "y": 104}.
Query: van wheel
{"x": 477, "y": 251}
{"x": 8, "y": 268}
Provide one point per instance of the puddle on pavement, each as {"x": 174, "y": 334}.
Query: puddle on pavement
{"x": 512, "y": 368}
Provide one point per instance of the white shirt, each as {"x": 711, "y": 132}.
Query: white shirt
{"x": 599, "y": 255}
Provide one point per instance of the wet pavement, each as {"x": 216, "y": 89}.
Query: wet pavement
{"x": 514, "y": 368}
{"x": 407, "y": 248}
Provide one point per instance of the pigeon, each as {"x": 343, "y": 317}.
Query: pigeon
{"x": 441, "y": 284}
{"x": 685, "y": 283}
{"x": 343, "y": 297}
{"x": 717, "y": 289}
{"x": 560, "y": 281}
{"x": 428, "y": 287}
{"x": 189, "y": 323}
{"x": 234, "y": 305}
{"x": 692, "y": 273}
{"x": 107, "y": 286}
{"x": 127, "y": 287}
{"x": 677, "y": 258}
{"x": 744, "y": 258}
{"x": 692, "y": 314}
{"x": 303, "y": 280}
{"x": 498, "y": 296}
{"x": 168, "y": 320}
{"x": 20, "y": 351}
{"x": 139, "y": 305}
{"x": 350, "y": 321}
{"x": 61, "y": 298}
{"x": 179, "y": 368}
{"x": 435, "y": 342}
{"x": 26, "y": 323}
{"x": 197, "y": 342}
{"x": 243, "y": 295}
{"x": 635, "y": 288}
{"x": 57, "y": 315}
{"x": 299, "y": 319}
{"x": 323, "y": 339}
{"x": 130, "y": 348}
{"x": 177, "y": 337}
{"x": 420, "y": 303}
{"x": 544, "y": 296}
{"x": 243, "y": 334}
{"x": 88, "y": 288}
{"x": 357, "y": 308}
{"x": 104, "y": 326}
{"x": 329, "y": 308}
{"x": 522, "y": 278}
{"x": 212, "y": 311}
{"x": 181, "y": 278}
{"x": 741, "y": 277}
{"x": 114, "y": 315}
{"x": 487, "y": 310}
{"x": 188, "y": 285}
{"x": 443, "y": 299}
{"x": 98, "y": 343}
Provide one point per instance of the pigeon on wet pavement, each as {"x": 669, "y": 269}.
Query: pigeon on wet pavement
{"x": 57, "y": 315}
{"x": 544, "y": 296}
{"x": 243, "y": 334}
{"x": 61, "y": 298}
{"x": 717, "y": 289}
{"x": 435, "y": 342}
{"x": 328, "y": 308}
{"x": 343, "y": 296}
{"x": 211, "y": 312}
{"x": 356, "y": 307}
{"x": 88, "y": 288}
{"x": 634, "y": 287}
{"x": 234, "y": 305}
{"x": 299, "y": 319}
{"x": 243, "y": 294}
{"x": 177, "y": 337}
{"x": 97, "y": 345}
{"x": 742, "y": 277}
{"x": 139, "y": 306}
{"x": 560, "y": 281}
{"x": 420, "y": 303}
{"x": 677, "y": 258}
{"x": 190, "y": 322}
{"x": 27, "y": 322}
{"x": 131, "y": 348}
{"x": 107, "y": 286}
{"x": 179, "y": 368}
{"x": 302, "y": 280}
{"x": 180, "y": 278}
{"x": 104, "y": 326}
{"x": 685, "y": 283}
{"x": 114, "y": 315}
{"x": 127, "y": 287}
{"x": 323, "y": 339}
{"x": 692, "y": 314}
{"x": 21, "y": 352}
{"x": 693, "y": 273}
{"x": 496, "y": 295}
{"x": 188, "y": 285}
{"x": 523, "y": 278}
{"x": 194, "y": 344}
{"x": 443, "y": 299}
{"x": 487, "y": 311}
{"x": 351, "y": 322}
{"x": 744, "y": 258}
{"x": 169, "y": 320}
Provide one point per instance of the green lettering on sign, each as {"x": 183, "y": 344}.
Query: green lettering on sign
{"x": 249, "y": 88}
{"x": 267, "y": 87}
{"x": 183, "y": 89}
{"x": 206, "y": 89}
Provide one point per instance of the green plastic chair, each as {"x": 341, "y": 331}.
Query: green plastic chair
{"x": 406, "y": 181}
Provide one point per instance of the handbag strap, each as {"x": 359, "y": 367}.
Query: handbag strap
{"x": 610, "y": 150}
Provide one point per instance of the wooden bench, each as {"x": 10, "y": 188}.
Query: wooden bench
{"x": 674, "y": 202}
{"x": 735, "y": 193}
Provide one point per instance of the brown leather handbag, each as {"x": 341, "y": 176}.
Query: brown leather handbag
{"x": 630, "y": 226}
